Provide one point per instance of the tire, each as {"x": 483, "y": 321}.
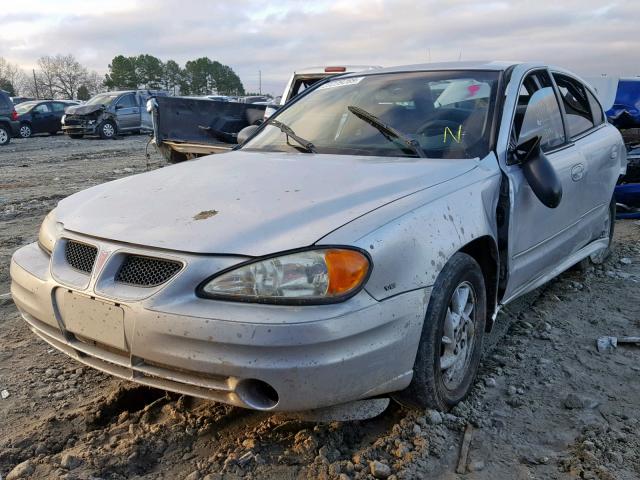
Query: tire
{"x": 5, "y": 135}
{"x": 25, "y": 130}
{"x": 609, "y": 222}
{"x": 432, "y": 385}
{"x": 107, "y": 130}
{"x": 76, "y": 136}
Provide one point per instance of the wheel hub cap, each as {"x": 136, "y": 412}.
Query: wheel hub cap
{"x": 458, "y": 336}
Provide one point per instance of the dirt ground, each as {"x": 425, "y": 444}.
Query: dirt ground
{"x": 546, "y": 404}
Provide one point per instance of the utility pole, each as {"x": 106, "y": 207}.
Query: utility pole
{"x": 35, "y": 83}
{"x": 260, "y": 82}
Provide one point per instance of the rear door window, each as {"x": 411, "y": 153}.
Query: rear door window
{"x": 576, "y": 104}
{"x": 596, "y": 109}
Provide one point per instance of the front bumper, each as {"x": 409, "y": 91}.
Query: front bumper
{"x": 79, "y": 129}
{"x": 166, "y": 337}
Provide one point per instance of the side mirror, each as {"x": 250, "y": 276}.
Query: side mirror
{"x": 246, "y": 132}
{"x": 539, "y": 172}
{"x": 119, "y": 107}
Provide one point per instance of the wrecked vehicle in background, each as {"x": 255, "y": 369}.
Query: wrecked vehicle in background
{"x": 109, "y": 114}
{"x": 359, "y": 244}
{"x": 187, "y": 127}
{"x": 621, "y": 100}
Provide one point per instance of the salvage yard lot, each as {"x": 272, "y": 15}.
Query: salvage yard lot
{"x": 546, "y": 403}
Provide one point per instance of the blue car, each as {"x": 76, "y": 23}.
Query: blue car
{"x": 627, "y": 192}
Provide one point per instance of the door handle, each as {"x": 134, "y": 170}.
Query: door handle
{"x": 577, "y": 172}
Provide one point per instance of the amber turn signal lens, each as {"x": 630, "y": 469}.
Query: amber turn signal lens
{"x": 346, "y": 269}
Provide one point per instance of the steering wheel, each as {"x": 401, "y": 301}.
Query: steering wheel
{"x": 437, "y": 126}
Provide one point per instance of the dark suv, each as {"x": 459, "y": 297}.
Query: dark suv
{"x": 9, "y": 124}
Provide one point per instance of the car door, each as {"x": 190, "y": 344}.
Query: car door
{"x": 128, "y": 112}
{"x": 41, "y": 118}
{"x": 145, "y": 117}
{"x": 58, "y": 112}
{"x": 539, "y": 237}
{"x": 599, "y": 149}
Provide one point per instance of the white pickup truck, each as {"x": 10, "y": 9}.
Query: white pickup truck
{"x": 185, "y": 128}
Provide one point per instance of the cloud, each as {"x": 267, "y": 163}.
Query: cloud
{"x": 586, "y": 36}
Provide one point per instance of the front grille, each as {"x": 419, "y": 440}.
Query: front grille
{"x": 73, "y": 120}
{"x": 80, "y": 255}
{"x": 146, "y": 271}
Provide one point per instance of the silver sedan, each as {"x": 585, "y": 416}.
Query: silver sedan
{"x": 358, "y": 244}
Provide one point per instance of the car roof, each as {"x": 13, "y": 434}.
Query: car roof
{"x": 440, "y": 66}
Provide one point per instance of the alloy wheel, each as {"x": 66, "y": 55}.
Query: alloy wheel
{"x": 458, "y": 336}
{"x": 108, "y": 130}
{"x": 25, "y": 131}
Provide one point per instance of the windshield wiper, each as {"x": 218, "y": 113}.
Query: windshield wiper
{"x": 306, "y": 145}
{"x": 387, "y": 131}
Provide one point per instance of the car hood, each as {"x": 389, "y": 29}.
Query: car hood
{"x": 83, "y": 109}
{"x": 248, "y": 203}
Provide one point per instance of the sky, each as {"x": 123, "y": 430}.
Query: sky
{"x": 277, "y": 37}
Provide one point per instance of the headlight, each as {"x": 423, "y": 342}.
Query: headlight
{"x": 310, "y": 276}
{"x": 91, "y": 122}
{"x": 63, "y": 118}
{"x": 49, "y": 231}
{"x": 151, "y": 103}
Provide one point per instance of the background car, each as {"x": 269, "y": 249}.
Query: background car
{"x": 41, "y": 116}
{"x": 110, "y": 113}
{"x": 8, "y": 118}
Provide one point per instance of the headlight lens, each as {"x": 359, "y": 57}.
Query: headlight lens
{"x": 324, "y": 275}
{"x": 48, "y": 232}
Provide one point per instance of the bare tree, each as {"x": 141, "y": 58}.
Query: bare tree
{"x": 10, "y": 72}
{"x": 69, "y": 75}
{"x": 47, "y": 81}
{"x": 94, "y": 83}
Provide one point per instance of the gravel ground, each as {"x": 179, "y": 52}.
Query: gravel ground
{"x": 546, "y": 404}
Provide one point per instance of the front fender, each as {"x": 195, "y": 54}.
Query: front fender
{"x": 417, "y": 235}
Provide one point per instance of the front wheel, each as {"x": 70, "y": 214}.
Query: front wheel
{"x": 451, "y": 341}
{"x": 107, "y": 130}
{"x": 25, "y": 130}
